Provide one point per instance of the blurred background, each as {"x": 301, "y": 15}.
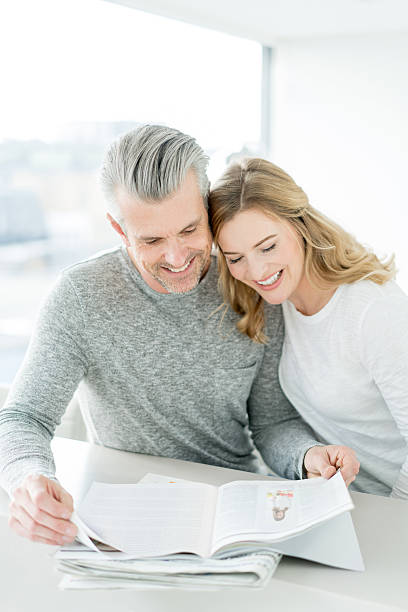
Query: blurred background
{"x": 319, "y": 87}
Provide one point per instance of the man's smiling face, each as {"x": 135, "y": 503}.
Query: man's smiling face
{"x": 169, "y": 241}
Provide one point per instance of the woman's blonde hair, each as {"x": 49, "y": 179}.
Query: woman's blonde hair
{"x": 332, "y": 256}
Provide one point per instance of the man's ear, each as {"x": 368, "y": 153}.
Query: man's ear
{"x": 118, "y": 229}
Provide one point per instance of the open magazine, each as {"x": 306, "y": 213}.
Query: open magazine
{"x": 167, "y": 516}
{"x": 164, "y": 532}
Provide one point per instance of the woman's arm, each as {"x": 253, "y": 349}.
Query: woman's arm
{"x": 384, "y": 352}
{"x": 286, "y": 442}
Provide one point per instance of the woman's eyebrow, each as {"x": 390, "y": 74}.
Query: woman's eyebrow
{"x": 254, "y": 247}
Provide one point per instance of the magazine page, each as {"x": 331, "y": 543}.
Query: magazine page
{"x": 271, "y": 511}
{"x": 151, "y": 519}
{"x": 84, "y": 533}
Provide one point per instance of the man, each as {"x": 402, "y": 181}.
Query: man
{"x": 161, "y": 366}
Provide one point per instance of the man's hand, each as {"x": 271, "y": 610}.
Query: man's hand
{"x": 40, "y": 511}
{"x": 326, "y": 460}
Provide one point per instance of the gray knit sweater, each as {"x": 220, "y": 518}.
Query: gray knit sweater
{"x": 160, "y": 374}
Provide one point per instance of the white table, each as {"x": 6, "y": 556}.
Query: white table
{"x": 28, "y": 580}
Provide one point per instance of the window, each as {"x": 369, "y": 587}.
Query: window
{"x": 79, "y": 73}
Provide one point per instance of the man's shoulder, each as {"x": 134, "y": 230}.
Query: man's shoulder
{"x": 101, "y": 264}
{"x": 273, "y": 318}
{"x": 101, "y": 278}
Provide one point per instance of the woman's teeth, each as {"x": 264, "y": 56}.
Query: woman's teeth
{"x": 271, "y": 279}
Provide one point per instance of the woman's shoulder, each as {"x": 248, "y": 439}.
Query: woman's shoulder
{"x": 381, "y": 324}
{"x": 368, "y": 291}
{"x": 367, "y": 299}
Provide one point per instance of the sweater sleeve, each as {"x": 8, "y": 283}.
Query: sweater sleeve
{"x": 52, "y": 368}
{"x": 384, "y": 352}
{"x": 278, "y": 431}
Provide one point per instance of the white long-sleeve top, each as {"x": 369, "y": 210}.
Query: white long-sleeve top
{"x": 345, "y": 369}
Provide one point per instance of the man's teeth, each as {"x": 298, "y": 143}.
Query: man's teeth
{"x": 271, "y": 279}
{"x": 178, "y": 269}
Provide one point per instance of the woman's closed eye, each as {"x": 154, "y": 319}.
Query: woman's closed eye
{"x": 264, "y": 250}
{"x": 269, "y": 248}
{"x": 234, "y": 261}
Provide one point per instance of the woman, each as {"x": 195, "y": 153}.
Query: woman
{"x": 344, "y": 363}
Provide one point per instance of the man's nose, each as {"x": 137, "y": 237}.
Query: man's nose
{"x": 176, "y": 254}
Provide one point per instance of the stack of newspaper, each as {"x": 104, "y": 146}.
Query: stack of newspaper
{"x": 115, "y": 570}
{"x": 170, "y": 533}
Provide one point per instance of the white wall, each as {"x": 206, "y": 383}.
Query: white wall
{"x": 341, "y": 129}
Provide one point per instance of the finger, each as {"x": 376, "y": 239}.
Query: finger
{"x": 312, "y": 475}
{"x": 348, "y": 475}
{"x": 24, "y": 526}
{"x": 350, "y": 469}
{"x": 45, "y": 500}
{"x": 21, "y": 531}
{"x": 66, "y": 499}
{"x": 328, "y": 471}
{"x": 319, "y": 462}
{"x": 61, "y": 526}
{"x": 345, "y": 459}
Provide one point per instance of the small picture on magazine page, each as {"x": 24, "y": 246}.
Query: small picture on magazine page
{"x": 280, "y": 502}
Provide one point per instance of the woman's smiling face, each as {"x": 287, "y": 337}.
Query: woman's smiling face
{"x": 264, "y": 253}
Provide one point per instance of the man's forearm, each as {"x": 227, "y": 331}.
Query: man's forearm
{"x": 52, "y": 369}
{"x": 283, "y": 446}
{"x": 24, "y": 449}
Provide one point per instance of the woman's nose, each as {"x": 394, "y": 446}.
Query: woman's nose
{"x": 257, "y": 270}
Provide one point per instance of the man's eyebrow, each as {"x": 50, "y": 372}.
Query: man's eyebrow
{"x": 147, "y": 238}
{"x": 254, "y": 247}
{"x": 192, "y": 224}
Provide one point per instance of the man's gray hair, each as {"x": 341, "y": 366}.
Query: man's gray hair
{"x": 150, "y": 163}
